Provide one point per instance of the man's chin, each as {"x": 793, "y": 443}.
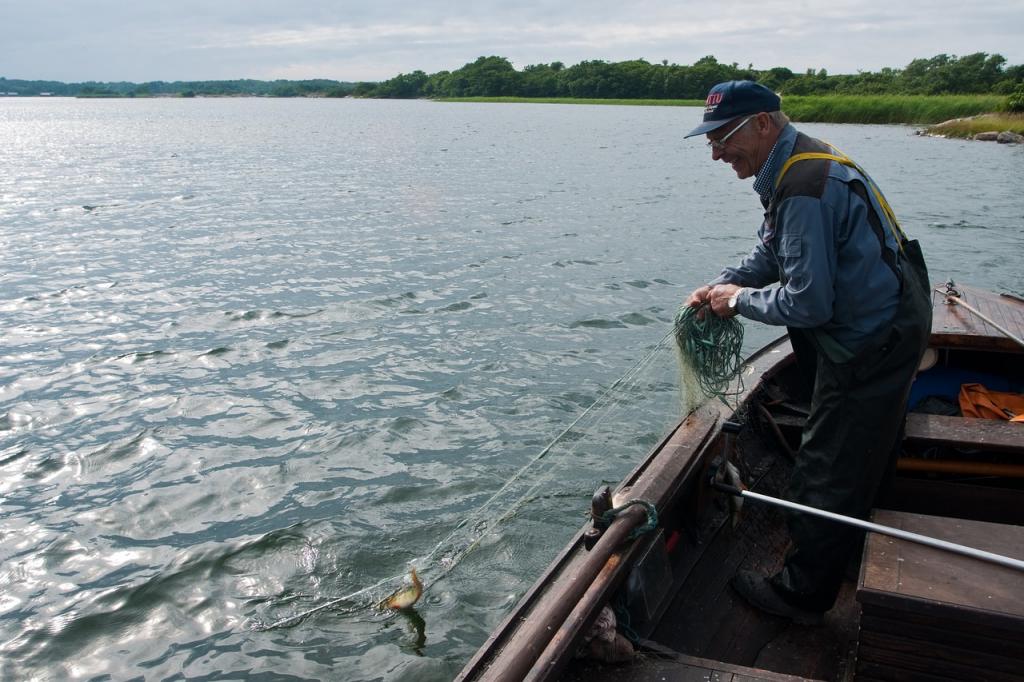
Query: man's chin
{"x": 739, "y": 168}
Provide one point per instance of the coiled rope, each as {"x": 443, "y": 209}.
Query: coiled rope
{"x": 712, "y": 347}
{"x": 606, "y": 519}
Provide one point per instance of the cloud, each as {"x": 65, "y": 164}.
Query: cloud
{"x": 189, "y": 39}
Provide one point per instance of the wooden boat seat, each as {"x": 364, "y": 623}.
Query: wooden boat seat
{"x": 984, "y": 434}
{"x": 929, "y": 430}
{"x": 962, "y": 432}
{"x": 933, "y": 614}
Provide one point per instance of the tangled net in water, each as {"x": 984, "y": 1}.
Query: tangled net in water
{"x": 712, "y": 347}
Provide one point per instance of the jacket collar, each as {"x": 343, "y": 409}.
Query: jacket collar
{"x": 764, "y": 181}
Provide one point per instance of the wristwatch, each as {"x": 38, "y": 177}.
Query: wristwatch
{"x": 735, "y": 297}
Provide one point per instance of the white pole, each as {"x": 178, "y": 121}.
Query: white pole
{"x": 895, "y": 532}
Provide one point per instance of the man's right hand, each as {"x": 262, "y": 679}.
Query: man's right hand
{"x": 699, "y": 297}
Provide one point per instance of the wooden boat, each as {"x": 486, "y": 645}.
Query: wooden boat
{"x": 908, "y": 612}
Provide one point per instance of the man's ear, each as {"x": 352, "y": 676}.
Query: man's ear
{"x": 764, "y": 124}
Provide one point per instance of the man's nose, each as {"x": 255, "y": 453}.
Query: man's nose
{"x": 716, "y": 153}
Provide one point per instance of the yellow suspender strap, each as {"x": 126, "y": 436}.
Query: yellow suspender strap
{"x": 894, "y": 226}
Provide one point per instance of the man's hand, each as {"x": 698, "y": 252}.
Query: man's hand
{"x": 699, "y": 296}
{"x": 718, "y": 299}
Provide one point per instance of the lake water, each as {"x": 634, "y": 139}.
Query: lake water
{"x": 259, "y": 357}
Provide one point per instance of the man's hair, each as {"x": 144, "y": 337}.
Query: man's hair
{"x": 778, "y": 118}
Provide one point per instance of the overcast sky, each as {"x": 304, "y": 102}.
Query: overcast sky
{"x": 143, "y": 40}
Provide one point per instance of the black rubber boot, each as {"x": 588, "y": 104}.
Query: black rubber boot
{"x": 757, "y": 590}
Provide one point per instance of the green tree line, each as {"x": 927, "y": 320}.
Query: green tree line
{"x": 978, "y": 73}
{"x": 242, "y": 87}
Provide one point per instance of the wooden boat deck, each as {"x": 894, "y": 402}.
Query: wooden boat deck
{"x": 955, "y": 326}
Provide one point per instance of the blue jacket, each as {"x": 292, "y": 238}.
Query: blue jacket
{"x": 821, "y": 261}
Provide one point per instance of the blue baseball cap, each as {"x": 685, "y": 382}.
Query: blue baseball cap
{"x": 733, "y": 99}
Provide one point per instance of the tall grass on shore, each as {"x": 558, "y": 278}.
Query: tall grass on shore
{"x": 915, "y": 109}
{"x": 969, "y": 127}
{"x": 919, "y": 109}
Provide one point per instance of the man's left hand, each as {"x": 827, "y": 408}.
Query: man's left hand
{"x": 719, "y": 299}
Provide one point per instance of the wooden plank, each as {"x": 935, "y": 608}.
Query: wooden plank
{"x": 986, "y": 434}
{"x": 923, "y": 666}
{"x": 942, "y": 632}
{"x": 994, "y": 634}
{"x": 909, "y": 576}
{"x": 955, "y": 326}
{"x": 959, "y": 622}
{"x": 870, "y": 669}
{"x": 934, "y": 429}
{"x": 943, "y": 655}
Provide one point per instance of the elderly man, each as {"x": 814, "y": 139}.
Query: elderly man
{"x": 831, "y": 264}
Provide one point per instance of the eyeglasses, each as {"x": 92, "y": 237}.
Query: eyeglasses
{"x": 719, "y": 145}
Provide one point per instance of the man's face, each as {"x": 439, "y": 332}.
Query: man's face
{"x": 738, "y": 144}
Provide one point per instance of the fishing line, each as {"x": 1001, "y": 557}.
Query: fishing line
{"x": 476, "y": 522}
{"x": 290, "y": 620}
{"x": 710, "y": 353}
{"x": 626, "y": 383}
{"x": 631, "y": 373}
{"x": 601, "y": 408}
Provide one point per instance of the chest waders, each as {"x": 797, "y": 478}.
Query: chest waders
{"x": 858, "y": 404}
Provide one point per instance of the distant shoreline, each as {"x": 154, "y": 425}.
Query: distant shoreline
{"x": 959, "y": 116}
{"x": 243, "y": 87}
{"x": 889, "y": 109}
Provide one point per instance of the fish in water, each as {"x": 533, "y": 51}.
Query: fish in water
{"x": 405, "y": 597}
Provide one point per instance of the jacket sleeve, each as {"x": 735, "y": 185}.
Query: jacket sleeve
{"x": 806, "y": 249}
{"x": 758, "y": 269}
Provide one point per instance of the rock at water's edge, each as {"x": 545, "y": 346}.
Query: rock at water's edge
{"x": 1009, "y": 137}
{"x": 990, "y": 136}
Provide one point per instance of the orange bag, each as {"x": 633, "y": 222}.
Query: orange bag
{"x": 978, "y": 401}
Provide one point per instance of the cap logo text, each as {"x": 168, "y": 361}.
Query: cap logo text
{"x": 712, "y": 102}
